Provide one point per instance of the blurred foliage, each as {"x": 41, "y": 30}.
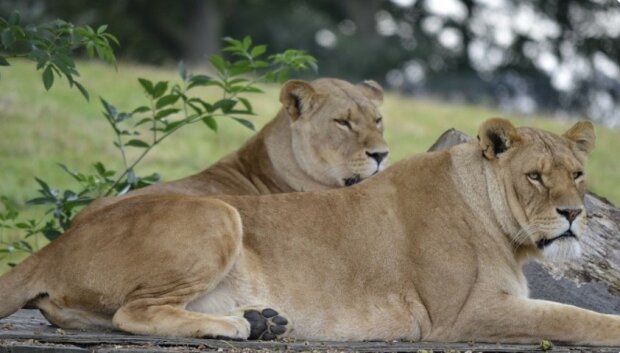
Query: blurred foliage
{"x": 521, "y": 55}
{"x": 52, "y": 45}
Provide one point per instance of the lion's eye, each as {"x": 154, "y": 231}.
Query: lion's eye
{"x": 379, "y": 120}
{"x": 577, "y": 175}
{"x": 535, "y": 176}
{"x": 343, "y": 122}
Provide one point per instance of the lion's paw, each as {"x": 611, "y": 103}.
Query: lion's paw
{"x": 266, "y": 324}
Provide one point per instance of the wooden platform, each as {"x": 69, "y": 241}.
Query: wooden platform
{"x": 28, "y": 331}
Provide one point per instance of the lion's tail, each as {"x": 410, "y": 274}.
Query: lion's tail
{"x": 18, "y": 286}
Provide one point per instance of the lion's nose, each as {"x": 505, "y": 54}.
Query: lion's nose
{"x": 377, "y": 156}
{"x": 569, "y": 213}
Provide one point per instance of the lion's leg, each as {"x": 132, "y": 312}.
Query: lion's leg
{"x": 513, "y": 319}
{"x": 73, "y": 318}
{"x": 210, "y": 235}
{"x": 170, "y": 320}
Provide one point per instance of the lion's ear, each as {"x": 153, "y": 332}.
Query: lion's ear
{"x": 496, "y": 136}
{"x": 373, "y": 91}
{"x": 582, "y": 133}
{"x": 296, "y": 96}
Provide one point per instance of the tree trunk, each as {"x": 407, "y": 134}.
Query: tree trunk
{"x": 592, "y": 281}
{"x": 362, "y": 13}
{"x": 205, "y": 32}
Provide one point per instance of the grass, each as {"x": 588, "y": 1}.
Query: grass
{"x": 39, "y": 129}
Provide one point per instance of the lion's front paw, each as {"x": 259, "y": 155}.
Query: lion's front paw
{"x": 266, "y": 324}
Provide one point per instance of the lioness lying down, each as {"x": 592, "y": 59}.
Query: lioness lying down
{"x": 431, "y": 249}
{"x": 328, "y": 134}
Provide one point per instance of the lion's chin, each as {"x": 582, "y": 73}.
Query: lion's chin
{"x": 562, "y": 249}
{"x": 352, "y": 180}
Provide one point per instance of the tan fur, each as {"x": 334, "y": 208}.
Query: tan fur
{"x": 431, "y": 249}
{"x": 296, "y": 151}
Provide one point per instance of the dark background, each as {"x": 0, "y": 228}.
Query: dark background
{"x": 559, "y": 57}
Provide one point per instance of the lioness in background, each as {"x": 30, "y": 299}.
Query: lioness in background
{"x": 328, "y": 133}
{"x": 429, "y": 250}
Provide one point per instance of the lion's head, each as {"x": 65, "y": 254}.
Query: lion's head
{"x": 544, "y": 181}
{"x": 337, "y": 129}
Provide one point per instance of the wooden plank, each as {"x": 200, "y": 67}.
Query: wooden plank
{"x": 31, "y": 346}
{"x": 28, "y": 331}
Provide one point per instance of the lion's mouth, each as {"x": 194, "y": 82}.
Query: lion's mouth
{"x": 352, "y": 180}
{"x": 542, "y": 243}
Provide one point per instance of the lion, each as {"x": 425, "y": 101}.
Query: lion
{"x": 431, "y": 249}
{"x": 327, "y": 134}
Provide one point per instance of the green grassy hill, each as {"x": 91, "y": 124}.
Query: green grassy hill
{"x": 39, "y": 129}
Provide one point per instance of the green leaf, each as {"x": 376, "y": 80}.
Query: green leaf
{"x": 82, "y": 90}
{"x": 137, "y": 143}
{"x": 167, "y": 100}
{"x": 240, "y": 112}
{"x": 232, "y": 41}
{"x": 109, "y": 108}
{"x": 165, "y": 112}
{"x": 15, "y": 18}
{"x": 225, "y": 104}
{"x": 100, "y": 168}
{"x": 240, "y": 69}
{"x": 44, "y": 187}
{"x": 173, "y": 125}
{"x": 122, "y": 117}
{"x": 258, "y": 50}
{"x": 7, "y": 38}
{"x": 48, "y": 77}
{"x": 195, "y": 107}
{"x": 3, "y": 62}
{"x": 234, "y": 81}
{"x": 112, "y": 38}
{"x": 141, "y": 109}
{"x": 245, "y": 123}
{"x": 198, "y": 80}
{"x": 143, "y": 121}
{"x": 78, "y": 202}
{"x": 25, "y": 246}
{"x": 147, "y": 85}
{"x": 260, "y": 64}
{"x": 210, "y": 122}
{"x": 50, "y": 232}
{"x": 218, "y": 62}
{"x": 252, "y": 89}
{"x": 69, "y": 195}
{"x": 76, "y": 176}
{"x": 150, "y": 179}
{"x": 22, "y": 225}
{"x": 246, "y": 103}
{"x": 247, "y": 42}
{"x": 41, "y": 201}
{"x": 159, "y": 89}
{"x": 208, "y": 107}
{"x": 101, "y": 29}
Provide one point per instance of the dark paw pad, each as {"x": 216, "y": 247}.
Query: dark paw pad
{"x": 265, "y": 325}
